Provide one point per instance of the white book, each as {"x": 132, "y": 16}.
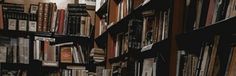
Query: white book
{"x": 54, "y": 20}
{"x": 3, "y": 53}
{"x": 204, "y": 60}
{"x": 11, "y": 24}
{"x": 32, "y": 26}
{"x": 22, "y": 25}
{"x": 147, "y": 67}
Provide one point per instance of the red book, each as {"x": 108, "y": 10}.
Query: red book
{"x": 61, "y": 21}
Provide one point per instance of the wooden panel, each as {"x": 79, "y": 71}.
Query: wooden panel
{"x": 110, "y": 51}
{"x": 177, "y": 26}
{"x": 112, "y": 11}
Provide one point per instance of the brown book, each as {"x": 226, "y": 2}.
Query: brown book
{"x": 231, "y": 66}
{"x": 1, "y": 18}
{"x": 46, "y": 46}
{"x": 210, "y": 12}
{"x": 40, "y": 17}
{"x": 66, "y": 54}
{"x": 213, "y": 56}
{"x": 45, "y": 16}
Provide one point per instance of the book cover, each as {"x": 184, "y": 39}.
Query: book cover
{"x": 66, "y": 54}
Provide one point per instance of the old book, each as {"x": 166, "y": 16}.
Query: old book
{"x": 210, "y": 12}
{"x": 53, "y": 18}
{"x": 3, "y": 53}
{"x": 22, "y": 22}
{"x": 213, "y": 56}
{"x": 40, "y": 17}
{"x": 21, "y": 50}
{"x": 45, "y": 16}
{"x": 12, "y": 22}
{"x": 13, "y": 44}
{"x": 147, "y": 67}
{"x": 66, "y": 55}
{"x": 198, "y": 15}
{"x": 231, "y": 65}
{"x": 32, "y": 24}
{"x": 82, "y": 26}
{"x": 1, "y": 19}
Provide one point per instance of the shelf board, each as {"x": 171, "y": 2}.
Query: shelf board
{"x": 103, "y": 9}
{"x": 102, "y": 40}
{"x": 72, "y": 64}
{"x": 122, "y": 25}
{"x": 159, "y": 47}
{"x": 193, "y": 39}
{"x": 122, "y": 57}
{"x": 14, "y": 66}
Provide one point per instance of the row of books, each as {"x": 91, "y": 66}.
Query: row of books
{"x": 124, "y": 8}
{"x": 101, "y": 71}
{"x": 75, "y": 71}
{"x": 14, "y": 50}
{"x": 103, "y": 24}
{"x": 207, "y": 62}
{"x": 97, "y": 54}
{"x": 205, "y": 12}
{"x": 78, "y": 20}
{"x": 50, "y": 53}
{"x": 155, "y": 26}
{"x": 152, "y": 66}
{"x": 203, "y": 63}
{"x": 47, "y": 18}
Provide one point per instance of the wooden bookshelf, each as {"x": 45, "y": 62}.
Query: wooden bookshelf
{"x": 188, "y": 40}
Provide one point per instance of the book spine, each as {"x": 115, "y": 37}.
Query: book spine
{"x": 40, "y": 17}
{"x": 45, "y": 17}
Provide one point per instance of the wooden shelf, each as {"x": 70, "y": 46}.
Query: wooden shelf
{"x": 193, "y": 39}
{"x": 102, "y": 40}
{"x": 14, "y": 66}
{"x": 122, "y": 57}
{"x": 122, "y": 25}
{"x": 159, "y": 47}
{"x": 103, "y": 9}
{"x": 64, "y": 65}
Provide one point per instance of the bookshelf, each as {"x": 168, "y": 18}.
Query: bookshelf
{"x": 48, "y": 49}
{"x": 192, "y": 25}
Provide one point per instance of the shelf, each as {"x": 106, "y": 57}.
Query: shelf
{"x": 102, "y": 40}
{"x": 122, "y": 25}
{"x": 102, "y": 10}
{"x": 71, "y": 64}
{"x": 100, "y": 63}
{"x": 194, "y": 38}
{"x": 14, "y": 66}
{"x": 157, "y": 48}
{"x": 122, "y": 57}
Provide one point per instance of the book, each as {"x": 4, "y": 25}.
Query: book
{"x": 66, "y": 55}
{"x": 147, "y": 67}
{"x": 3, "y": 53}
{"x": 32, "y": 23}
{"x": 40, "y": 17}
{"x": 22, "y": 22}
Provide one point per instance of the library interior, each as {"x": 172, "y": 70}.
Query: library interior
{"x": 117, "y": 38}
